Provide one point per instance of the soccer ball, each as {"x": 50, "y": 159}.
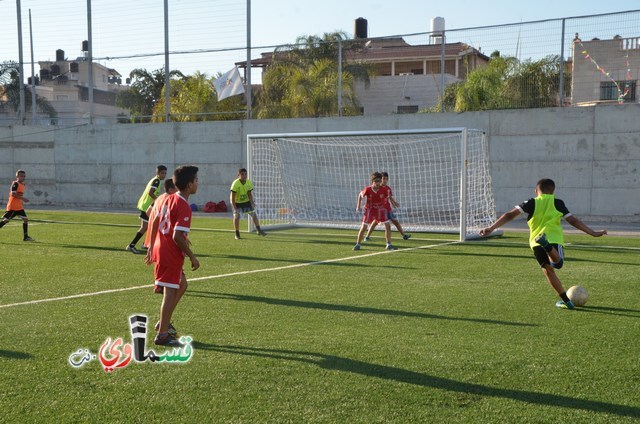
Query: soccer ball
{"x": 578, "y": 295}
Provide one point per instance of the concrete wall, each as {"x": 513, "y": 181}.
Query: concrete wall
{"x": 592, "y": 153}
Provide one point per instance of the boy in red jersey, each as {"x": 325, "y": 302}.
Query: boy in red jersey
{"x": 169, "y": 245}
{"x": 391, "y": 203}
{"x": 15, "y": 205}
{"x": 376, "y": 196}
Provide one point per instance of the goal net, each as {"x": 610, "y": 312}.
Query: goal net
{"x": 440, "y": 177}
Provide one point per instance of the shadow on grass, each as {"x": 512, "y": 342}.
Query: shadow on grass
{"x": 337, "y": 363}
{"x": 12, "y": 354}
{"x": 566, "y": 259}
{"x": 345, "y": 308}
{"x": 630, "y": 313}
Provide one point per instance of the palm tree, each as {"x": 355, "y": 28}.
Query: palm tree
{"x": 145, "y": 91}
{"x": 193, "y": 98}
{"x": 302, "y": 80}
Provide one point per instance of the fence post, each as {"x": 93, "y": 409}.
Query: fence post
{"x": 442, "y": 73}
{"x": 561, "y": 82}
{"x": 339, "y": 77}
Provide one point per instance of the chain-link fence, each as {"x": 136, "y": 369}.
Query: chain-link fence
{"x": 570, "y": 61}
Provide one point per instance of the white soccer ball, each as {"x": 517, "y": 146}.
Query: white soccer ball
{"x": 578, "y": 295}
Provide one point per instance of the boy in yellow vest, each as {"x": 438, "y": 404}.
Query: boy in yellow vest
{"x": 150, "y": 194}
{"x": 546, "y": 237}
{"x": 15, "y": 205}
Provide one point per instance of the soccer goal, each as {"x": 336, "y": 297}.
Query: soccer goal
{"x": 440, "y": 177}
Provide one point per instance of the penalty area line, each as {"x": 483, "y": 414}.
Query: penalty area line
{"x": 232, "y": 274}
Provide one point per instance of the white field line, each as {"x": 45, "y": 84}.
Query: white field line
{"x": 232, "y": 274}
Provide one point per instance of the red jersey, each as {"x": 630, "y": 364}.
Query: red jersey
{"x": 175, "y": 215}
{"x": 376, "y": 199}
{"x": 15, "y": 201}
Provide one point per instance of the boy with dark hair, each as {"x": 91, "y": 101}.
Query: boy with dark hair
{"x": 150, "y": 194}
{"x": 15, "y": 205}
{"x": 376, "y": 195}
{"x": 241, "y": 199}
{"x": 546, "y": 236}
{"x": 390, "y": 204}
{"x": 168, "y": 247}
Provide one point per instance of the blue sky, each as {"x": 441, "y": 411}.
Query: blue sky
{"x": 122, "y": 29}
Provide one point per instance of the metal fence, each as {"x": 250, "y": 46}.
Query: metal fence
{"x": 584, "y": 60}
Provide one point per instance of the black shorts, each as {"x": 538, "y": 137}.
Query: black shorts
{"x": 144, "y": 216}
{"x": 543, "y": 257}
{"x": 244, "y": 207}
{"x": 12, "y": 214}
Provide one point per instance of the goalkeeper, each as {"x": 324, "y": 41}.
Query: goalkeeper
{"x": 375, "y": 195}
{"x": 241, "y": 199}
{"x": 391, "y": 203}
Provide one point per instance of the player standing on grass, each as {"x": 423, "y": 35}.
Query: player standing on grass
{"x": 241, "y": 199}
{"x": 391, "y": 203}
{"x": 151, "y": 193}
{"x": 546, "y": 236}
{"x": 168, "y": 247}
{"x": 376, "y": 196}
{"x": 15, "y": 205}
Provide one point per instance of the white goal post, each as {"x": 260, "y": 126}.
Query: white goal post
{"x": 440, "y": 177}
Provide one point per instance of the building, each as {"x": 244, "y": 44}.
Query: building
{"x": 407, "y": 78}
{"x": 65, "y": 84}
{"x": 605, "y": 71}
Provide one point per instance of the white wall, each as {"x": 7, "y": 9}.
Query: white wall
{"x": 592, "y": 153}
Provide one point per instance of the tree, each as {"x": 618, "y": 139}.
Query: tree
{"x": 145, "y": 91}
{"x": 507, "y": 83}
{"x": 193, "y": 98}
{"x": 302, "y": 80}
{"x": 10, "y": 89}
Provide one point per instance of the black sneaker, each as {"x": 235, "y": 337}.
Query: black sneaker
{"x": 27, "y": 238}
{"x": 167, "y": 340}
{"x": 261, "y": 233}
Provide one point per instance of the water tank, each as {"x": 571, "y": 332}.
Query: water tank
{"x": 73, "y": 67}
{"x": 55, "y": 70}
{"x": 361, "y": 28}
{"x": 437, "y": 28}
{"x": 85, "y": 46}
{"x": 437, "y": 24}
{"x": 59, "y": 55}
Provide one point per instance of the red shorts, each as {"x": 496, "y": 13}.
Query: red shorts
{"x": 166, "y": 276}
{"x": 380, "y": 215}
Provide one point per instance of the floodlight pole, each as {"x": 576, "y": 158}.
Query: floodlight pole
{"x": 33, "y": 76}
{"x": 90, "y": 59}
{"x": 248, "y": 69}
{"x": 167, "y": 93}
{"x": 20, "y": 63}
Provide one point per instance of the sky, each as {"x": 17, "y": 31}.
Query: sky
{"x": 125, "y": 31}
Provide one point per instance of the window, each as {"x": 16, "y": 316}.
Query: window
{"x": 383, "y": 69}
{"x": 408, "y": 109}
{"x": 62, "y": 97}
{"x": 409, "y": 68}
{"x": 609, "y": 90}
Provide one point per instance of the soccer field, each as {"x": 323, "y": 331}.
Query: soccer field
{"x": 297, "y": 327}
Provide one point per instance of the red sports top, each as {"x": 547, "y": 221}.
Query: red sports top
{"x": 376, "y": 199}
{"x": 175, "y": 215}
